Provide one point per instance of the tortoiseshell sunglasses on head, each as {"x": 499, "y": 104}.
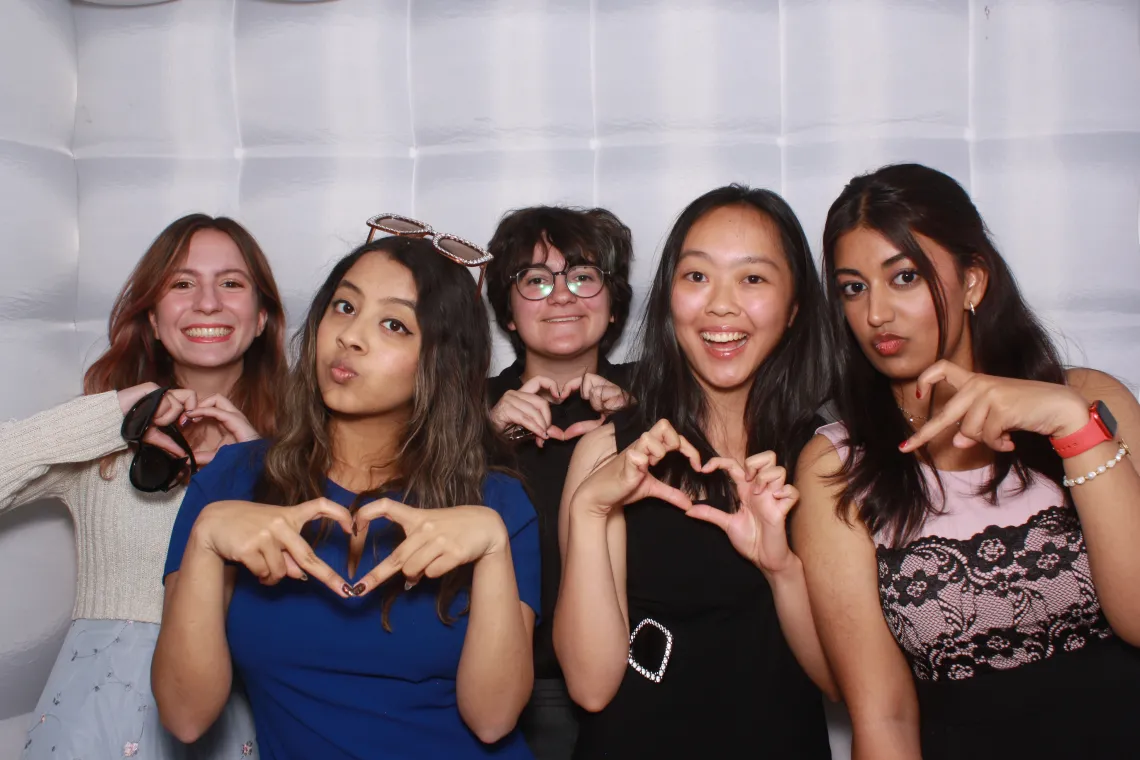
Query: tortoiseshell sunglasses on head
{"x": 452, "y": 246}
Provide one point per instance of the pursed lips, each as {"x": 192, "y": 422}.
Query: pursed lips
{"x": 341, "y": 372}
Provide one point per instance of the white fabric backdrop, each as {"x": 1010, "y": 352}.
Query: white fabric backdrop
{"x": 302, "y": 119}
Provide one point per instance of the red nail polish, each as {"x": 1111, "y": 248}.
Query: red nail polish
{"x": 358, "y": 589}
{"x": 347, "y": 590}
{"x": 918, "y": 393}
{"x": 902, "y": 445}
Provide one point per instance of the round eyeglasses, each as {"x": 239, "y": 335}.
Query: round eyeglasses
{"x": 537, "y": 282}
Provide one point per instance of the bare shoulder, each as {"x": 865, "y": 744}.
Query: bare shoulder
{"x": 818, "y": 458}
{"x": 1095, "y": 385}
{"x": 816, "y": 475}
{"x": 821, "y": 488}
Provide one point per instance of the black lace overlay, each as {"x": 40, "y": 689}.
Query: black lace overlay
{"x": 1005, "y": 597}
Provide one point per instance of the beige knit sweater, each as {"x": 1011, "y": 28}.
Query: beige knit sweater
{"x": 121, "y": 534}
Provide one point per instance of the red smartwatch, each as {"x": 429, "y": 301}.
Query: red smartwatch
{"x": 1101, "y": 427}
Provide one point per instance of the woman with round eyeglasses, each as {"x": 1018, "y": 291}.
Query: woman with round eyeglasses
{"x": 559, "y": 287}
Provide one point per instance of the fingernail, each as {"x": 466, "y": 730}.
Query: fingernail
{"x": 903, "y": 445}
{"x": 347, "y": 589}
{"x": 358, "y": 589}
{"x": 918, "y": 392}
{"x": 409, "y": 585}
{"x": 304, "y": 576}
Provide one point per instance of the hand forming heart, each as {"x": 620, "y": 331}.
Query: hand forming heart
{"x": 526, "y": 412}
{"x": 436, "y": 540}
{"x": 625, "y": 477}
{"x": 756, "y": 529}
{"x": 267, "y": 539}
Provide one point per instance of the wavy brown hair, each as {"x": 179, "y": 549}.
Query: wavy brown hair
{"x": 136, "y": 357}
{"x": 442, "y": 457}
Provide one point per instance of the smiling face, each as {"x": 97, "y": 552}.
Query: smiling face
{"x": 368, "y": 342}
{"x": 562, "y": 325}
{"x": 208, "y": 314}
{"x": 732, "y": 298}
{"x": 889, "y": 307}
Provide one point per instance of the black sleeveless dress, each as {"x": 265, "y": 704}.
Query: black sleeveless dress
{"x": 728, "y": 684}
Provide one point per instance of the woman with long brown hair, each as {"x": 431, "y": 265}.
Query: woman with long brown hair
{"x": 196, "y": 351}
{"x": 425, "y": 649}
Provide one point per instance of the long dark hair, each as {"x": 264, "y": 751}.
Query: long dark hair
{"x": 788, "y": 387}
{"x": 584, "y": 237}
{"x": 884, "y": 487}
{"x": 442, "y": 457}
{"x": 135, "y": 356}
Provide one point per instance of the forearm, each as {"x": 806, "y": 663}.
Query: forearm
{"x": 591, "y": 633}
{"x": 80, "y": 430}
{"x": 496, "y": 668}
{"x": 789, "y": 589}
{"x": 192, "y": 673}
{"x": 1109, "y": 509}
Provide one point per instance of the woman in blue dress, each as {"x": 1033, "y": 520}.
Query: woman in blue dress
{"x": 366, "y": 575}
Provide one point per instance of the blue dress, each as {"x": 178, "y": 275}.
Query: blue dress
{"x": 324, "y": 679}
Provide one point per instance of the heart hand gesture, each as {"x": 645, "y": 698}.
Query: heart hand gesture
{"x": 526, "y": 412}
{"x": 625, "y": 477}
{"x": 267, "y": 540}
{"x": 436, "y": 540}
{"x": 757, "y": 528}
{"x": 604, "y": 397}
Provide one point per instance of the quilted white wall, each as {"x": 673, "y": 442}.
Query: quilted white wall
{"x": 302, "y": 118}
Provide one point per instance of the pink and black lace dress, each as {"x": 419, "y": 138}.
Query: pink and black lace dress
{"x": 996, "y": 611}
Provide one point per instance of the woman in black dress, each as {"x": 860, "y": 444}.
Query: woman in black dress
{"x": 559, "y": 287}
{"x": 682, "y": 612}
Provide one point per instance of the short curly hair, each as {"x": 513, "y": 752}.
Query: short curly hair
{"x": 583, "y": 236}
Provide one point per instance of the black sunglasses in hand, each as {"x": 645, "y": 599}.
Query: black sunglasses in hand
{"x": 153, "y": 468}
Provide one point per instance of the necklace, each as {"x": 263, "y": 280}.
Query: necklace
{"x": 912, "y": 417}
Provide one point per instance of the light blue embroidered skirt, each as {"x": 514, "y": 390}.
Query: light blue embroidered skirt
{"x": 97, "y": 704}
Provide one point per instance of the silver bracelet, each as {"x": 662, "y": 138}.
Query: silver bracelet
{"x": 1120, "y": 454}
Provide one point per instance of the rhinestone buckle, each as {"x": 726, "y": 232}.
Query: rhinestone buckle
{"x": 653, "y": 675}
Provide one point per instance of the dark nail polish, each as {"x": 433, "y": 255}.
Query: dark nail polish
{"x": 347, "y": 589}
{"x": 358, "y": 589}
